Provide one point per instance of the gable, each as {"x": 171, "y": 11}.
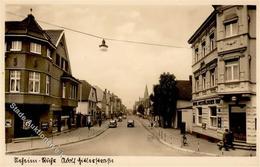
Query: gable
{"x": 92, "y": 95}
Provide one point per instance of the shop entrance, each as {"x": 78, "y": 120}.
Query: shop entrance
{"x": 237, "y": 122}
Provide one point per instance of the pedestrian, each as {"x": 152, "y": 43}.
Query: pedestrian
{"x": 225, "y": 139}
{"x": 231, "y": 139}
{"x": 99, "y": 122}
{"x": 184, "y": 139}
{"x": 151, "y": 123}
{"x": 89, "y": 125}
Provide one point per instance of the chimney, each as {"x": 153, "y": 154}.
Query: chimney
{"x": 190, "y": 78}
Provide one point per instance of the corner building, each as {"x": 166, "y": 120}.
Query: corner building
{"x": 38, "y": 79}
{"x": 224, "y": 74}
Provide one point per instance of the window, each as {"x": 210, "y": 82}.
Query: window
{"x": 35, "y": 48}
{"x": 212, "y": 78}
{"x": 47, "y": 85}
{"x": 232, "y": 71}
{"x": 73, "y": 92}
{"x": 16, "y": 46}
{"x": 199, "y": 115}
{"x": 34, "y": 82}
{"x": 57, "y": 60}
{"x": 193, "y": 118}
{"x": 213, "y": 116}
{"x": 197, "y": 84}
{"x": 204, "y": 86}
{"x": 15, "y": 77}
{"x": 196, "y": 54}
{"x": 63, "y": 90}
{"x": 49, "y": 53}
{"x": 203, "y": 47}
{"x": 212, "y": 42}
{"x": 231, "y": 28}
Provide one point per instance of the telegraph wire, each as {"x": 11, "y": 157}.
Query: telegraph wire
{"x": 101, "y": 37}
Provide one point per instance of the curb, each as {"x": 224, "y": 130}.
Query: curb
{"x": 59, "y": 145}
{"x": 176, "y": 147}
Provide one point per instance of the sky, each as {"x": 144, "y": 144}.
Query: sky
{"x": 125, "y": 68}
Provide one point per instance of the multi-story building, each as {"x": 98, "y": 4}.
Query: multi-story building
{"x": 224, "y": 73}
{"x": 38, "y": 79}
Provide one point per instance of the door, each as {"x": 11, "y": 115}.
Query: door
{"x": 237, "y": 120}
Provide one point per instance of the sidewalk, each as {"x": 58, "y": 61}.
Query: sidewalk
{"x": 173, "y": 138}
{"x": 73, "y": 136}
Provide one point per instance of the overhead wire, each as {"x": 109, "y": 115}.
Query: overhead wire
{"x": 101, "y": 37}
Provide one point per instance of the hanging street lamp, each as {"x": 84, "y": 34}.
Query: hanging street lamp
{"x": 103, "y": 46}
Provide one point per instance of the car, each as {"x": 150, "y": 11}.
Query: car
{"x": 112, "y": 124}
{"x": 124, "y": 116}
{"x": 130, "y": 123}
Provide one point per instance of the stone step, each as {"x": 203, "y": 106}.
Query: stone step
{"x": 242, "y": 145}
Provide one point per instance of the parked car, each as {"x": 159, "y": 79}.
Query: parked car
{"x": 124, "y": 116}
{"x": 112, "y": 124}
{"x": 130, "y": 123}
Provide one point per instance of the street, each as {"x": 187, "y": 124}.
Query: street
{"x": 120, "y": 141}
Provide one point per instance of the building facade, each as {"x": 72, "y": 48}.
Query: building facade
{"x": 38, "y": 79}
{"x": 224, "y": 73}
{"x": 87, "y": 105}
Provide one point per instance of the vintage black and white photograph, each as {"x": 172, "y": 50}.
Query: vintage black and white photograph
{"x": 118, "y": 80}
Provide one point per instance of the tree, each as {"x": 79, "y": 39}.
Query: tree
{"x": 140, "y": 109}
{"x": 165, "y": 99}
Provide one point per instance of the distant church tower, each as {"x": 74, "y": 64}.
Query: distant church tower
{"x": 146, "y": 95}
{"x": 146, "y": 101}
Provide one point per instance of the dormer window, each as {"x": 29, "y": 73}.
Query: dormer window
{"x": 16, "y": 46}
{"x": 35, "y": 48}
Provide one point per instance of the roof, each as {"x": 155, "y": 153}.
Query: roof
{"x": 86, "y": 88}
{"x": 211, "y": 17}
{"x": 28, "y": 26}
{"x": 67, "y": 76}
{"x": 55, "y": 36}
{"x": 185, "y": 89}
{"x": 100, "y": 93}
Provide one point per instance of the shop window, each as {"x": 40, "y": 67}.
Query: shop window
{"x": 16, "y": 46}
{"x": 232, "y": 71}
{"x": 15, "y": 77}
{"x": 213, "y": 116}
